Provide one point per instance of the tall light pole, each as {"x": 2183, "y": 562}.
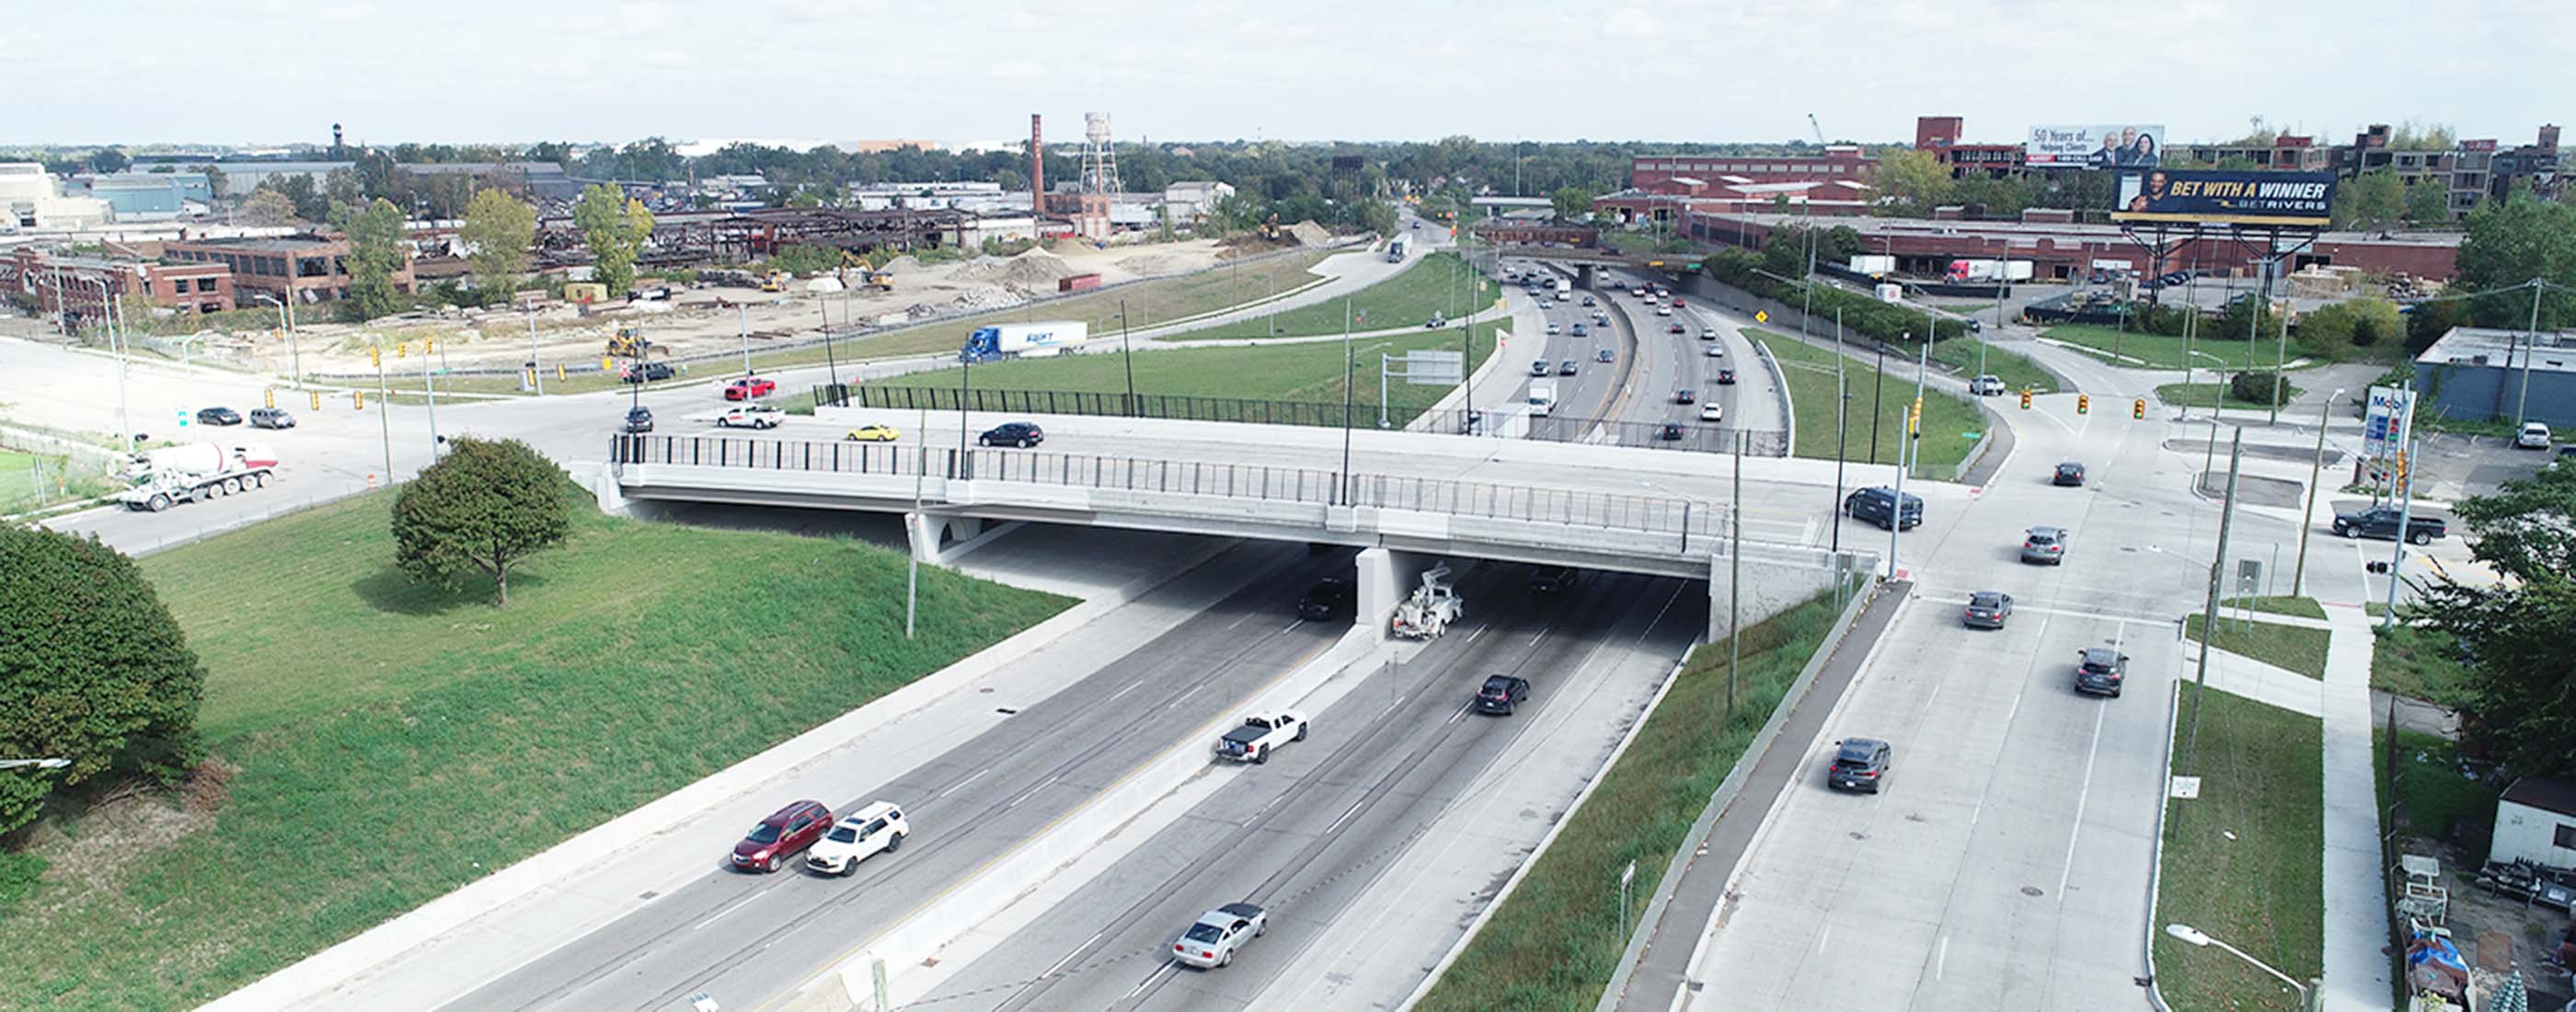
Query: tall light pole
{"x": 2307, "y": 517}
{"x": 42, "y": 764}
{"x": 2530, "y": 343}
{"x": 123, "y": 346}
{"x": 1350, "y": 364}
{"x": 2217, "y": 570}
{"x": 536, "y": 373}
{"x": 1842, "y": 429}
{"x": 1127, "y": 356}
{"x": 2189, "y": 935}
{"x": 742, "y": 325}
{"x": 295, "y": 357}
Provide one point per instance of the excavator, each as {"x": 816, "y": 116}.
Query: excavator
{"x": 855, "y": 271}
{"x": 630, "y": 343}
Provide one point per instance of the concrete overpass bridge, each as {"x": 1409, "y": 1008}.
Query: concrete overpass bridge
{"x": 1587, "y": 262}
{"x": 1403, "y": 524}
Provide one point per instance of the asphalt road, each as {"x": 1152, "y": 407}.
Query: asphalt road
{"x": 750, "y": 937}
{"x": 1310, "y": 832}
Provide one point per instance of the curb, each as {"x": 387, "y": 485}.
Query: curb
{"x": 1779, "y": 382}
{"x": 2156, "y": 854}
{"x": 317, "y": 974}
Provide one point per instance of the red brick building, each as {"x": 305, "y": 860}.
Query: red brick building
{"x": 2060, "y": 250}
{"x": 83, "y": 284}
{"x": 302, "y": 268}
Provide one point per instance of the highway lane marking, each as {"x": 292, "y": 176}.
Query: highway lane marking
{"x": 1032, "y": 792}
{"x": 1168, "y": 965}
{"x": 719, "y": 915}
{"x": 1455, "y": 717}
{"x": 2103, "y": 616}
{"x": 1941, "y": 959}
{"x": 960, "y": 785}
{"x": 1480, "y": 630}
{"x": 1823, "y": 937}
{"x": 1131, "y": 686}
{"x": 1077, "y": 950}
{"x": 2085, "y": 793}
{"x": 1346, "y": 816}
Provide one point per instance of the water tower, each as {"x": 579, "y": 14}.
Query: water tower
{"x": 1099, "y": 176}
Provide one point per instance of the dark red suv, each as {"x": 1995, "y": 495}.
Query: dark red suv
{"x": 783, "y": 835}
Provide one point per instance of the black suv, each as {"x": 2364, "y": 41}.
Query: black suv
{"x": 2069, "y": 473}
{"x": 649, "y": 372}
{"x": 2381, "y": 522}
{"x": 1502, "y": 694}
{"x": 1552, "y": 579}
{"x": 1019, "y": 434}
{"x": 1860, "y": 764}
{"x": 1876, "y": 505}
{"x": 2101, "y": 669}
{"x": 639, "y": 419}
{"x": 1330, "y": 597}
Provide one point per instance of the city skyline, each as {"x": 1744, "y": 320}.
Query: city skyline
{"x": 617, "y": 72}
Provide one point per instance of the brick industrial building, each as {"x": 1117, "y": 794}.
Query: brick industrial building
{"x": 303, "y": 268}
{"x": 2063, "y": 249}
{"x": 55, "y": 284}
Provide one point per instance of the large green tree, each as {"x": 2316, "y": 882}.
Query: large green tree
{"x": 2428, "y": 205}
{"x": 375, "y": 254}
{"x": 92, "y": 670}
{"x": 1913, "y": 182}
{"x": 481, "y": 508}
{"x": 2511, "y": 241}
{"x": 2520, "y": 708}
{"x": 614, "y": 227}
{"x": 1572, "y": 202}
{"x": 2374, "y": 201}
{"x": 499, "y": 228}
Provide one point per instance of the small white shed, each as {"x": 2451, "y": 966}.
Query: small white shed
{"x": 2536, "y": 822}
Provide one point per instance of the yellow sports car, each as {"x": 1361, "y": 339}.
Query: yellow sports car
{"x": 875, "y": 434}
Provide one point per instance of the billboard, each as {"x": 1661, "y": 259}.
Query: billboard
{"x": 2101, "y": 146}
{"x": 2225, "y": 197}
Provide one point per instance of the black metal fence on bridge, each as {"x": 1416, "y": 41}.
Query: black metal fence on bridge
{"x": 1694, "y": 436}
{"x": 1608, "y": 510}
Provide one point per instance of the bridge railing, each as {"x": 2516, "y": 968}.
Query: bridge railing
{"x": 1519, "y": 503}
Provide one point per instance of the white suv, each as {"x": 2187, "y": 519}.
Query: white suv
{"x": 858, "y": 836}
{"x": 2534, "y": 436}
{"x": 1988, "y": 385}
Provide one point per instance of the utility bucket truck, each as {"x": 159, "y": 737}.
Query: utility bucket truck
{"x": 1429, "y": 611}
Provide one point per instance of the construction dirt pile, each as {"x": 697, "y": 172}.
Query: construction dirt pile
{"x": 1309, "y": 233}
{"x": 904, "y": 264}
{"x": 1035, "y": 268}
{"x": 1146, "y": 264}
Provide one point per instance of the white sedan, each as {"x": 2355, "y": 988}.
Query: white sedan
{"x": 1710, "y": 412}
{"x": 1663, "y": 310}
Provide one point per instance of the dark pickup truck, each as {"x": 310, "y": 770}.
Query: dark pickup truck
{"x": 2381, "y": 522}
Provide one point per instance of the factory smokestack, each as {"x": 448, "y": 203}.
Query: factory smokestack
{"x": 1037, "y": 166}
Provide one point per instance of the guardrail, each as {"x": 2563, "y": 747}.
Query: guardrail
{"x": 1313, "y": 486}
{"x": 1688, "y": 436}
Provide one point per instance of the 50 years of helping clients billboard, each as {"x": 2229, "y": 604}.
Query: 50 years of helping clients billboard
{"x": 2242, "y": 198}
{"x": 2096, "y": 146}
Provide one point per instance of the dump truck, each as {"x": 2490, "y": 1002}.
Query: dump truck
{"x": 175, "y": 474}
{"x": 1427, "y": 614}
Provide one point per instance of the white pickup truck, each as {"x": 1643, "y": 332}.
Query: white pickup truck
{"x": 1260, "y": 734}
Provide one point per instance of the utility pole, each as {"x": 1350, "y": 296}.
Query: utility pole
{"x": 1127, "y": 357}
{"x": 1877, "y": 401}
{"x": 2531, "y": 343}
{"x": 1735, "y": 577}
{"x": 1842, "y": 429}
{"x": 2316, "y": 465}
{"x": 384, "y": 411}
{"x": 536, "y": 374}
{"x": 2217, "y": 572}
{"x": 831, "y": 368}
{"x": 742, "y": 314}
{"x": 429, "y": 385}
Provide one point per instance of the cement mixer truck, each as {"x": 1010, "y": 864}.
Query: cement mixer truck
{"x": 191, "y": 471}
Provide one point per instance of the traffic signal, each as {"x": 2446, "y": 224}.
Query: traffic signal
{"x": 2083, "y": 403}
{"x": 428, "y": 344}
{"x": 317, "y": 399}
{"x": 376, "y": 357}
{"x": 2400, "y": 484}
{"x": 2025, "y": 398}
{"x": 1914, "y": 419}
{"x": 268, "y": 397}
{"x": 402, "y": 350}
{"x": 2138, "y": 408}
{"x": 358, "y": 399}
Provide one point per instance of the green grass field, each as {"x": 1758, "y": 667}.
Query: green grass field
{"x": 1305, "y": 371}
{"x": 2159, "y": 351}
{"x": 1809, "y": 370}
{"x": 394, "y": 741}
{"x": 2240, "y": 861}
{"x": 2015, "y": 369}
{"x": 2199, "y": 395}
{"x": 18, "y": 482}
{"x": 1555, "y": 941}
{"x": 2419, "y": 662}
{"x": 2304, "y": 607}
{"x": 2296, "y": 648}
{"x": 1149, "y": 303}
{"x": 1433, "y": 284}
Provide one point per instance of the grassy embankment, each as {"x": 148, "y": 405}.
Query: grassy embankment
{"x": 2240, "y": 861}
{"x": 1433, "y": 284}
{"x": 390, "y": 741}
{"x": 1948, "y": 420}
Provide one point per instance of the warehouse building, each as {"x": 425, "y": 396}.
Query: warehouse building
{"x": 2486, "y": 374}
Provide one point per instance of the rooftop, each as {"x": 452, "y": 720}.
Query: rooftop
{"x": 286, "y": 244}
{"x": 2543, "y": 793}
{"x": 2552, "y": 351}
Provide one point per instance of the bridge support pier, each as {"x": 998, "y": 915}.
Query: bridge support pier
{"x": 930, "y": 535}
{"x": 1770, "y": 587}
{"x": 1585, "y": 275}
{"x": 1385, "y": 578}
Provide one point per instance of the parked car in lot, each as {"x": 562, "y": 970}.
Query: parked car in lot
{"x": 1987, "y": 609}
{"x": 1219, "y": 933}
{"x": 2381, "y": 522}
{"x": 1877, "y": 504}
{"x": 1502, "y": 694}
{"x": 271, "y": 418}
{"x": 2101, "y": 670}
{"x": 639, "y": 419}
{"x": 218, "y": 416}
{"x": 2068, "y": 473}
{"x": 1987, "y": 386}
{"x": 1330, "y": 598}
{"x": 1019, "y": 434}
{"x": 2534, "y": 436}
{"x": 1860, "y": 764}
{"x": 874, "y": 433}
{"x": 751, "y": 416}
{"x": 2045, "y": 546}
{"x": 750, "y": 387}
{"x": 1726, "y": 377}
{"x": 786, "y": 833}
{"x": 877, "y": 828}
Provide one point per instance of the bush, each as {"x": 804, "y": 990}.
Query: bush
{"x": 92, "y": 669}
{"x": 2259, "y": 387}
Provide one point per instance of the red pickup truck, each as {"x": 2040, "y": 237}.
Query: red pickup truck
{"x": 749, "y": 387}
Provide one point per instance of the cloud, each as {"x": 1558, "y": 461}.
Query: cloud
{"x": 1633, "y": 23}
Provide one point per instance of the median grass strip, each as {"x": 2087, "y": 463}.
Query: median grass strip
{"x": 1951, "y": 424}
{"x": 2160, "y": 351}
{"x": 2240, "y": 861}
{"x": 1148, "y": 303}
{"x": 1309, "y": 371}
{"x": 2303, "y": 607}
{"x": 390, "y": 741}
{"x": 2200, "y": 395}
{"x": 1555, "y": 941}
{"x": 2290, "y": 647}
{"x": 2420, "y": 662}
{"x": 1437, "y": 283}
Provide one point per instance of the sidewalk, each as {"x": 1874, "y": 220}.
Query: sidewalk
{"x": 2356, "y": 888}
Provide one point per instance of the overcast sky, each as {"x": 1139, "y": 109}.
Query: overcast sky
{"x": 251, "y": 71}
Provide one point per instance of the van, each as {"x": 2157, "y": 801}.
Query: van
{"x": 271, "y": 418}
{"x": 1876, "y": 505}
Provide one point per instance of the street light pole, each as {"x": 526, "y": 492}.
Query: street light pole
{"x": 123, "y": 345}
{"x": 536, "y": 370}
{"x": 2217, "y": 571}
{"x": 2530, "y": 344}
{"x": 1842, "y": 428}
{"x": 295, "y": 357}
{"x": 2307, "y": 517}
{"x": 742, "y": 316}
{"x": 1350, "y": 364}
{"x": 2189, "y": 935}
